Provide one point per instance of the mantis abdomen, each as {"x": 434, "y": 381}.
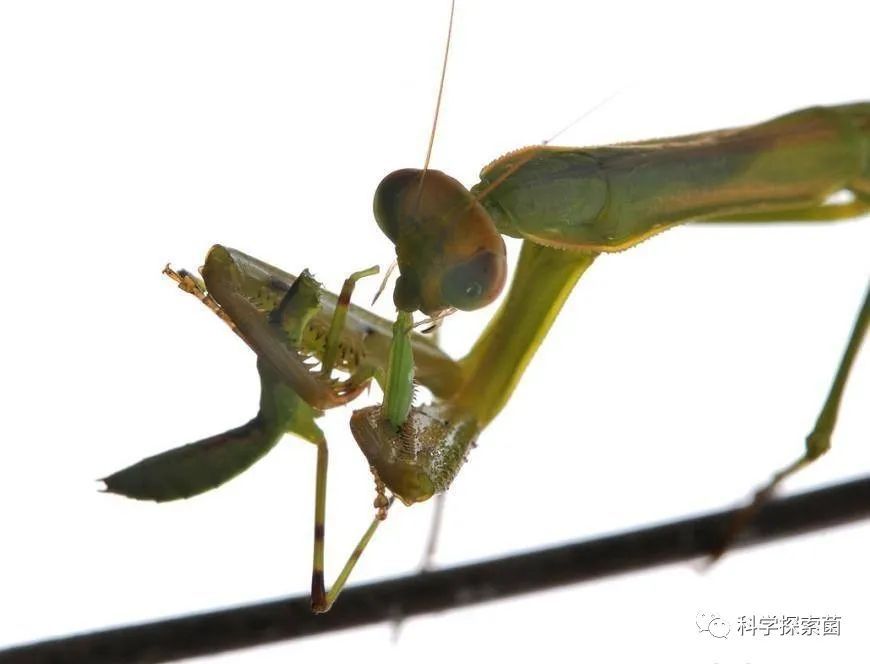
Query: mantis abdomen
{"x": 610, "y": 198}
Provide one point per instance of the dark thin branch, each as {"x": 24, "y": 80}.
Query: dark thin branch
{"x": 268, "y": 622}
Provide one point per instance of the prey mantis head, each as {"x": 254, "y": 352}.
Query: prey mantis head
{"x": 448, "y": 250}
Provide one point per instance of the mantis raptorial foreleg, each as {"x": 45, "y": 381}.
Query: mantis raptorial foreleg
{"x": 818, "y": 441}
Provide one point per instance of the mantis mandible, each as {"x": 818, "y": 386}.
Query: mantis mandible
{"x": 568, "y": 206}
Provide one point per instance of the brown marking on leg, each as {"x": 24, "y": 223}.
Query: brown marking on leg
{"x": 318, "y": 592}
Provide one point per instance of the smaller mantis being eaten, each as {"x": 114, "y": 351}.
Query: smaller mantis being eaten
{"x": 568, "y": 205}
{"x": 294, "y": 325}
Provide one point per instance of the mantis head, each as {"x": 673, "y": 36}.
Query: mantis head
{"x": 449, "y": 253}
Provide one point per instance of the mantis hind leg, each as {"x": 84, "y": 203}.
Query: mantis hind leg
{"x": 819, "y": 439}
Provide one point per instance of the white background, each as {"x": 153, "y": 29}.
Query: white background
{"x": 680, "y": 374}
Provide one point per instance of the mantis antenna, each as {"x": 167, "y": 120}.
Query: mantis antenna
{"x": 437, "y": 103}
{"x": 431, "y": 138}
{"x": 531, "y": 152}
{"x": 585, "y": 114}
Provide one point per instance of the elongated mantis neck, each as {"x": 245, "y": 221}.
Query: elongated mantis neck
{"x": 542, "y": 281}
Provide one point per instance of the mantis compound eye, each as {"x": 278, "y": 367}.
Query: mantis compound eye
{"x": 476, "y": 282}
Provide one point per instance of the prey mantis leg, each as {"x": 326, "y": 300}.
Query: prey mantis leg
{"x": 192, "y": 284}
{"x": 335, "y": 327}
{"x": 819, "y": 440}
{"x": 321, "y": 600}
{"x": 339, "y": 316}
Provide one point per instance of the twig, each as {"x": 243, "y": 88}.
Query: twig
{"x": 268, "y": 622}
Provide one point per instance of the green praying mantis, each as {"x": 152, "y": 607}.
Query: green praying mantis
{"x": 316, "y": 350}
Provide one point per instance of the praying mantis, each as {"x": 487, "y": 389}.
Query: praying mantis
{"x": 822, "y": 151}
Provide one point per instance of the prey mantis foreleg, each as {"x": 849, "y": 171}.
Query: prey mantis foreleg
{"x": 337, "y": 324}
{"x": 190, "y": 283}
{"x": 818, "y": 441}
